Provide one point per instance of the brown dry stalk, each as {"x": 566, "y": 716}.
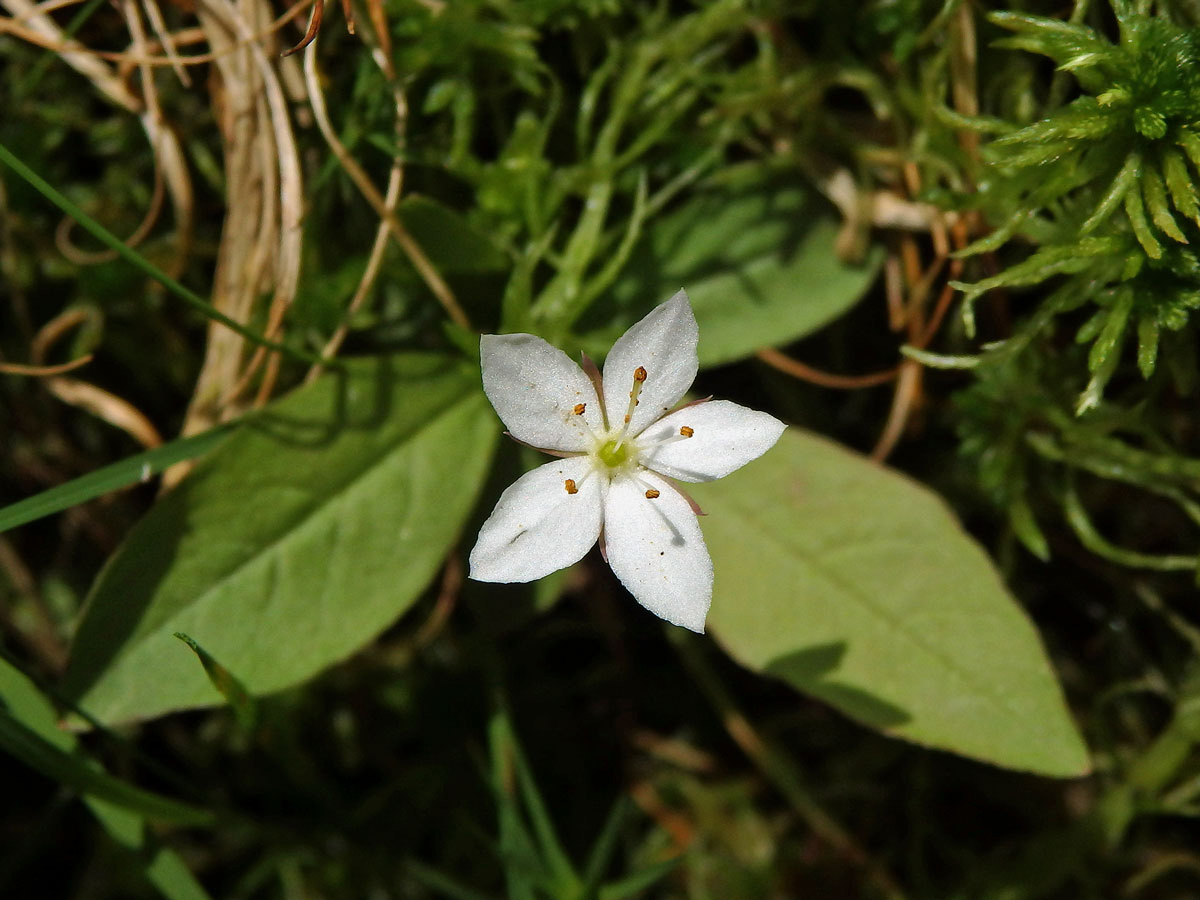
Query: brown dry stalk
{"x": 260, "y": 245}
{"x": 50, "y": 333}
{"x": 43, "y": 371}
{"x": 154, "y": 14}
{"x": 904, "y": 401}
{"x": 41, "y": 38}
{"x": 383, "y": 231}
{"x": 101, "y": 403}
{"x": 104, "y": 405}
{"x": 73, "y": 53}
{"x": 411, "y": 248}
{"x": 169, "y": 160}
{"x": 67, "y": 247}
{"x": 786, "y": 364}
{"x": 310, "y": 33}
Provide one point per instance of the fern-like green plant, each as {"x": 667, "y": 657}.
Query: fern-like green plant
{"x": 1104, "y": 185}
{"x": 1130, "y": 137}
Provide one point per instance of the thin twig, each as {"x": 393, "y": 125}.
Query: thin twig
{"x": 42, "y": 371}
{"x": 47, "y": 41}
{"x": 41, "y": 635}
{"x": 794, "y": 367}
{"x": 382, "y": 232}
{"x": 411, "y": 248}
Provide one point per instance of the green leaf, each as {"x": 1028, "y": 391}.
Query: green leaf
{"x": 121, "y": 474}
{"x": 75, "y": 772}
{"x": 758, "y": 261}
{"x": 310, "y": 531}
{"x": 856, "y": 585}
{"x": 162, "y": 866}
{"x": 448, "y": 239}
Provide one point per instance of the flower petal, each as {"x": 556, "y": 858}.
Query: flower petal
{"x": 538, "y": 527}
{"x": 664, "y": 344}
{"x": 535, "y": 389}
{"x": 655, "y": 547}
{"x": 725, "y": 436}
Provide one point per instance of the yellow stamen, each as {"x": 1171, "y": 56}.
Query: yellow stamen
{"x": 651, "y": 494}
{"x": 686, "y": 431}
{"x": 639, "y": 378}
{"x": 579, "y": 408}
{"x": 570, "y": 486}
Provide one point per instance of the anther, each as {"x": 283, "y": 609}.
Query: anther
{"x": 651, "y": 493}
{"x": 570, "y": 486}
{"x": 579, "y": 408}
{"x": 639, "y": 374}
{"x": 686, "y": 431}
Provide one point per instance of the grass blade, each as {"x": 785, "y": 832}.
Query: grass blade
{"x": 110, "y": 478}
{"x": 36, "y": 752}
{"x": 639, "y": 881}
{"x": 114, "y": 243}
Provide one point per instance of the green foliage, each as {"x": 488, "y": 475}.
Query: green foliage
{"x": 1033, "y": 455}
{"x": 566, "y": 165}
{"x": 759, "y": 261}
{"x": 880, "y": 606}
{"x": 1105, "y": 184}
{"x": 334, "y": 508}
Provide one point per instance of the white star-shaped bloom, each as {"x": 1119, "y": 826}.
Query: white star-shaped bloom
{"x": 622, "y": 441}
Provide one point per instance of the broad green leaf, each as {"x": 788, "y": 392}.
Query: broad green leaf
{"x": 131, "y": 470}
{"x": 757, "y": 260}
{"x": 858, "y": 586}
{"x": 305, "y": 535}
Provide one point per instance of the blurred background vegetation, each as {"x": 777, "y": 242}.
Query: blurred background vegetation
{"x": 1007, "y": 192}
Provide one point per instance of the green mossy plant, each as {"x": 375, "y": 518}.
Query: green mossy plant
{"x": 1104, "y": 184}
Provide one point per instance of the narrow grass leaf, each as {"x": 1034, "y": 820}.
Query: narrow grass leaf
{"x": 161, "y": 865}
{"x": 132, "y": 470}
{"x": 604, "y": 848}
{"x": 30, "y": 748}
{"x": 127, "y": 253}
{"x": 443, "y": 884}
{"x": 633, "y": 885}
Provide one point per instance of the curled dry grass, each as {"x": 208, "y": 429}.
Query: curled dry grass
{"x": 254, "y": 85}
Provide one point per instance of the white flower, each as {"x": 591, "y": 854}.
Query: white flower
{"x": 621, "y": 449}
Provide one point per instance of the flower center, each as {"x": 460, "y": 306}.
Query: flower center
{"x": 614, "y": 453}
